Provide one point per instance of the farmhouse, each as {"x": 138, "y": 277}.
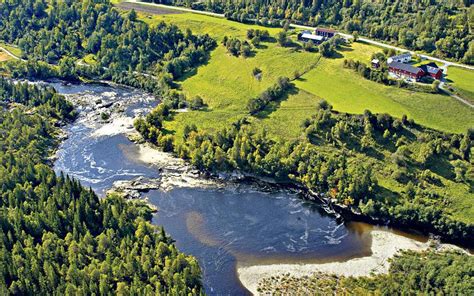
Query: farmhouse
{"x": 405, "y": 70}
{"x": 402, "y": 58}
{"x": 432, "y": 70}
{"x": 306, "y": 36}
{"x": 326, "y": 33}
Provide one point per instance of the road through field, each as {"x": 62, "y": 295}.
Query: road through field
{"x": 364, "y": 39}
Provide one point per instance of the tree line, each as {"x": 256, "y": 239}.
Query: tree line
{"x": 273, "y": 93}
{"x": 57, "y": 237}
{"x": 439, "y": 27}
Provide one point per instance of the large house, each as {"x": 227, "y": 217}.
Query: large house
{"x": 401, "y": 58}
{"x": 405, "y": 70}
{"x": 398, "y": 65}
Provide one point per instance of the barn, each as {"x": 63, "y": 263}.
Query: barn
{"x": 406, "y": 70}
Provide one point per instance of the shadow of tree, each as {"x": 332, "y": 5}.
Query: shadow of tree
{"x": 274, "y": 105}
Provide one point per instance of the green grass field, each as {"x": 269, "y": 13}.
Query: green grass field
{"x": 463, "y": 81}
{"x": 13, "y": 49}
{"x": 226, "y": 84}
{"x": 349, "y": 92}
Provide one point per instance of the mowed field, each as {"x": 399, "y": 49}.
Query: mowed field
{"x": 349, "y": 92}
{"x": 226, "y": 84}
{"x": 463, "y": 81}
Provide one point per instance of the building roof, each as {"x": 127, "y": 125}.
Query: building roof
{"x": 326, "y": 30}
{"x": 401, "y": 56}
{"x": 405, "y": 67}
{"x": 312, "y": 37}
{"x": 430, "y": 69}
{"x": 375, "y": 61}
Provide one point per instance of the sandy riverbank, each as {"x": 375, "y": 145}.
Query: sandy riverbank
{"x": 385, "y": 244}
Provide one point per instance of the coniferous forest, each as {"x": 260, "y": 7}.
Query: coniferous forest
{"x": 57, "y": 237}
{"x": 125, "y": 50}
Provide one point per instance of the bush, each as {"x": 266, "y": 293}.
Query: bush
{"x": 196, "y": 103}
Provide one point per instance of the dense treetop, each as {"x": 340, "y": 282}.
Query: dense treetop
{"x": 57, "y": 237}
{"x": 60, "y": 32}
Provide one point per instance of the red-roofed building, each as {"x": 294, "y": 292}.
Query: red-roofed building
{"x": 406, "y": 70}
{"x": 432, "y": 70}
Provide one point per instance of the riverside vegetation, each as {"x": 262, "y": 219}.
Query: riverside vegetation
{"x": 411, "y": 272}
{"x": 57, "y": 236}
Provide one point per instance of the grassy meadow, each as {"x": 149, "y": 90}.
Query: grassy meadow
{"x": 349, "y": 92}
{"x": 463, "y": 81}
{"x": 13, "y": 49}
{"x": 226, "y": 83}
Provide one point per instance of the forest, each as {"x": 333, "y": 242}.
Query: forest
{"x": 57, "y": 237}
{"x": 60, "y": 34}
{"x": 440, "y": 27}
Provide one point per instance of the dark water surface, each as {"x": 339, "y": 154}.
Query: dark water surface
{"x": 221, "y": 226}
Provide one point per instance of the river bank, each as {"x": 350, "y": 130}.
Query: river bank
{"x": 385, "y": 245}
{"x": 223, "y": 219}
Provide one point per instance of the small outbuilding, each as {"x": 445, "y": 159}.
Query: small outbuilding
{"x": 375, "y": 63}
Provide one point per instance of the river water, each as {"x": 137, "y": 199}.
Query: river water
{"x": 221, "y": 224}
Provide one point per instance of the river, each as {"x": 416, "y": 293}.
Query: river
{"x": 223, "y": 224}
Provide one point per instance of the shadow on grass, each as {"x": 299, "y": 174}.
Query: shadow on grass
{"x": 193, "y": 71}
{"x": 346, "y": 48}
{"x": 442, "y": 167}
{"x": 274, "y": 105}
{"x": 386, "y": 195}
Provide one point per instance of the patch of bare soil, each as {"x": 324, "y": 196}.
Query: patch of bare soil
{"x": 146, "y": 8}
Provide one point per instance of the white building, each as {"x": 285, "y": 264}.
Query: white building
{"x": 402, "y": 58}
